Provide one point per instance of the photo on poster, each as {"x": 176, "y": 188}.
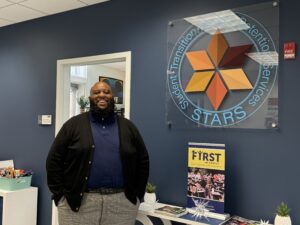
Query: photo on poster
{"x": 206, "y": 183}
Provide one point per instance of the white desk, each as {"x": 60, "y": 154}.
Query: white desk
{"x": 19, "y": 207}
{"x": 145, "y": 211}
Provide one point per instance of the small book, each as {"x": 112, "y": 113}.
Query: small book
{"x": 171, "y": 211}
{"x": 237, "y": 220}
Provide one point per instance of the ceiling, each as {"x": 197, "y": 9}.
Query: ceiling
{"x": 15, "y": 11}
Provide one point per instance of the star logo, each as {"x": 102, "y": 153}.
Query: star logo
{"x": 218, "y": 70}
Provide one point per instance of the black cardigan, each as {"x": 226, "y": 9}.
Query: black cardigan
{"x": 69, "y": 160}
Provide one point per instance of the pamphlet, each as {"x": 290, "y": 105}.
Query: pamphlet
{"x": 237, "y": 220}
{"x": 171, "y": 211}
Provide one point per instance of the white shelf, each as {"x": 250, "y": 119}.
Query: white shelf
{"x": 19, "y": 207}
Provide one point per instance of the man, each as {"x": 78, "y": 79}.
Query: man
{"x": 98, "y": 165}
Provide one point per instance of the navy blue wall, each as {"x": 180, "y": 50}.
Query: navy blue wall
{"x": 262, "y": 166}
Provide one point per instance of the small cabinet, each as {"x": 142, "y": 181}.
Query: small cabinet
{"x": 19, "y": 207}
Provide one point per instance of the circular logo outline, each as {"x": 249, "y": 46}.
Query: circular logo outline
{"x": 171, "y": 71}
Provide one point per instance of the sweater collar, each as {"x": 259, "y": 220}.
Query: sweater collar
{"x": 107, "y": 120}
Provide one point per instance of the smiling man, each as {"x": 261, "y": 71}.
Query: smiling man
{"x": 98, "y": 165}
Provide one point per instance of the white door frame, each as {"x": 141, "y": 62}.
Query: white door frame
{"x": 63, "y": 84}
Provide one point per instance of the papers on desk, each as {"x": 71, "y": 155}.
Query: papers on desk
{"x": 237, "y": 220}
{"x": 171, "y": 211}
{"x": 214, "y": 218}
{"x": 6, "y": 163}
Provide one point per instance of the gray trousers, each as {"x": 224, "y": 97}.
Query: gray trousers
{"x": 97, "y": 209}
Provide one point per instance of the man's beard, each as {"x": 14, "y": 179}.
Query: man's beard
{"x": 103, "y": 113}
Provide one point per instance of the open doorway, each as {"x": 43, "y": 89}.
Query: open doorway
{"x": 82, "y": 77}
{"x": 76, "y": 76}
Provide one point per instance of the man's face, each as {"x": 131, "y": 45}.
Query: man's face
{"x": 101, "y": 95}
